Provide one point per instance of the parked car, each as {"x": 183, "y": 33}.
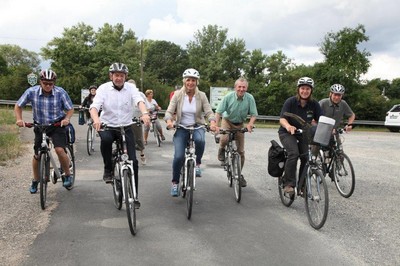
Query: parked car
{"x": 392, "y": 121}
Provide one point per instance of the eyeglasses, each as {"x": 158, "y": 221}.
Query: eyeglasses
{"x": 47, "y": 83}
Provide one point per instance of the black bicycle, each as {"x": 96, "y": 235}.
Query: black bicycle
{"x": 232, "y": 164}
{"x": 48, "y": 168}
{"x": 338, "y": 166}
{"x": 124, "y": 186}
{"x": 311, "y": 183}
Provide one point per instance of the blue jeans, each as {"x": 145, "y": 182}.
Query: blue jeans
{"x": 180, "y": 139}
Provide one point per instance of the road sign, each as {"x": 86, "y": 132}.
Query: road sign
{"x": 32, "y": 79}
{"x": 216, "y": 95}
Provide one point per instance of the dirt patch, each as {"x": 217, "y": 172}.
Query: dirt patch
{"x": 21, "y": 218}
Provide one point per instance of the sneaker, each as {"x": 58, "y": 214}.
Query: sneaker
{"x": 198, "y": 171}
{"x": 67, "y": 181}
{"x": 162, "y": 137}
{"x": 289, "y": 190}
{"x": 221, "y": 155}
{"x": 107, "y": 177}
{"x": 143, "y": 159}
{"x": 244, "y": 182}
{"x": 33, "y": 188}
{"x": 174, "y": 190}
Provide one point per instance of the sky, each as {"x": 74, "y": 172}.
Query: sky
{"x": 295, "y": 27}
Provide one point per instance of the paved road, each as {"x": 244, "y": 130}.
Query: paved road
{"x": 86, "y": 228}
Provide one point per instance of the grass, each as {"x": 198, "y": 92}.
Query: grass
{"x": 10, "y": 144}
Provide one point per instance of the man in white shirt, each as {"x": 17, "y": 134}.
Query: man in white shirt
{"x": 117, "y": 100}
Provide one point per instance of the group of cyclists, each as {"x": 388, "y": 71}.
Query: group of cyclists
{"x": 119, "y": 101}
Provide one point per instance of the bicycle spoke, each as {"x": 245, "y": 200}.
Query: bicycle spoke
{"x": 344, "y": 176}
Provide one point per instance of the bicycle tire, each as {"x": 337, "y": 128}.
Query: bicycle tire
{"x": 286, "y": 200}
{"x": 189, "y": 188}
{"x": 228, "y": 167}
{"x": 182, "y": 182}
{"x": 89, "y": 140}
{"x": 129, "y": 201}
{"x": 117, "y": 187}
{"x": 316, "y": 198}
{"x": 157, "y": 135}
{"x": 344, "y": 177}
{"x": 44, "y": 171}
{"x": 71, "y": 156}
{"x": 237, "y": 176}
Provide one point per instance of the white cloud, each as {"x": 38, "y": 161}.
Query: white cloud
{"x": 294, "y": 27}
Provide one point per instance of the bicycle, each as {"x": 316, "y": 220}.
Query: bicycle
{"x": 187, "y": 178}
{"x": 124, "y": 186}
{"x": 338, "y": 166}
{"x": 311, "y": 183}
{"x": 153, "y": 127}
{"x": 90, "y": 135}
{"x": 48, "y": 169}
{"x": 232, "y": 164}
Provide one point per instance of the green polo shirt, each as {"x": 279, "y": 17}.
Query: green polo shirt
{"x": 236, "y": 110}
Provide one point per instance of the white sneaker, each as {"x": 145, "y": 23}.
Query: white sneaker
{"x": 143, "y": 159}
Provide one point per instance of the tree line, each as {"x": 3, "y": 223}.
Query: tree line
{"x": 81, "y": 57}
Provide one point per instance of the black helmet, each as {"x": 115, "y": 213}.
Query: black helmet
{"x": 118, "y": 67}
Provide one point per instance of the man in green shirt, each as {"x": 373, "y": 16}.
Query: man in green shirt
{"x": 234, "y": 109}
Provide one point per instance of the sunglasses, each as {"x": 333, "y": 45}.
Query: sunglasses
{"x": 47, "y": 83}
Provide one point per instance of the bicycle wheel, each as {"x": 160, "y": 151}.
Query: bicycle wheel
{"x": 344, "y": 176}
{"x": 228, "y": 167}
{"x": 71, "y": 156}
{"x": 117, "y": 187}
{"x": 182, "y": 181}
{"x": 189, "y": 188}
{"x": 89, "y": 140}
{"x": 157, "y": 135}
{"x": 237, "y": 176}
{"x": 287, "y": 200}
{"x": 316, "y": 198}
{"x": 44, "y": 175}
{"x": 129, "y": 201}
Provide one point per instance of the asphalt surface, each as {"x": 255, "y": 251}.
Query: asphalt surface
{"x": 86, "y": 228}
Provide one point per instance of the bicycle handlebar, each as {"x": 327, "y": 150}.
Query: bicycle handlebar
{"x": 30, "y": 124}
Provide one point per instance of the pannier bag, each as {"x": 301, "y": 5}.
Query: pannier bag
{"x": 81, "y": 119}
{"x": 276, "y": 159}
{"x": 70, "y": 130}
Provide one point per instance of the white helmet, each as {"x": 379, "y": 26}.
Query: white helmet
{"x": 337, "y": 88}
{"x": 48, "y": 74}
{"x": 191, "y": 73}
{"x": 306, "y": 81}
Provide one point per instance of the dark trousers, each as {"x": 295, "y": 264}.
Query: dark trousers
{"x": 295, "y": 146}
{"x": 107, "y": 139}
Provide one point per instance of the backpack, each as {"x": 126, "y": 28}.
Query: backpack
{"x": 70, "y": 130}
{"x": 276, "y": 159}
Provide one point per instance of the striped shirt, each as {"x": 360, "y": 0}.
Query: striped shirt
{"x": 46, "y": 109}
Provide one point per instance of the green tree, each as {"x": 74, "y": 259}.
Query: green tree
{"x": 17, "y": 64}
{"x": 81, "y": 57}
{"x": 166, "y": 61}
{"x": 345, "y": 61}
